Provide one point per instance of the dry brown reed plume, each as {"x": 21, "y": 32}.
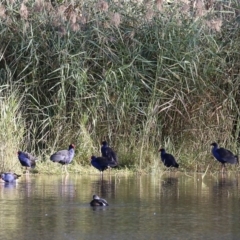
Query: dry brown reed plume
{"x": 75, "y": 27}
{"x": 185, "y": 8}
{"x": 200, "y": 9}
{"x": 159, "y": 5}
{"x": 2, "y": 12}
{"x": 73, "y": 18}
{"x": 149, "y": 15}
{"x": 41, "y": 5}
{"x": 115, "y": 19}
{"x": 215, "y": 24}
{"x": 102, "y": 6}
{"x": 61, "y": 12}
{"x": 23, "y": 11}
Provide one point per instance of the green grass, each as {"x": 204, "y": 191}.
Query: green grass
{"x": 11, "y": 128}
{"x": 128, "y": 73}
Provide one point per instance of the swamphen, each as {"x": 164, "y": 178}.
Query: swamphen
{"x": 9, "y": 177}
{"x": 102, "y": 163}
{"x": 223, "y": 155}
{"x": 27, "y": 160}
{"x": 168, "y": 159}
{"x": 108, "y": 153}
{"x": 97, "y": 201}
{"x": 64, "y": 157}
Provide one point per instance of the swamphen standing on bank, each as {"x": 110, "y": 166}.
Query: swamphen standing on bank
{"x": 97, "y": 201}
{"x": 9, "y": 177}
{"x": 168, "y": 159}
{"x": 223, "y": 155}
{"x": 64, "y": 157}
{"x": 102, "y": 163}
{"x": 108, "y": 153}
{"x": 27, "y": 160}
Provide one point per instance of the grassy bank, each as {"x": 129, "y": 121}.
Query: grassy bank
{"x": 138, "y": 74}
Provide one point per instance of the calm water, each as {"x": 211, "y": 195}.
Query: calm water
{"x": 141, "y": 207}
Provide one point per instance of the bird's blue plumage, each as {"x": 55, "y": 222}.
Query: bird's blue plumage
{"x": 223, "y": 155}
{"x": 168, "y": 159}
{"x": 26, "y": 159}
{"x": 102, "y": 163}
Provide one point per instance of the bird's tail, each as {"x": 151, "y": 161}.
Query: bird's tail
{"x": 237, "y": 160}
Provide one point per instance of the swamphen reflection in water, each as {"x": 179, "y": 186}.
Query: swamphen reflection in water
{"x": 9, "y": 177}
{"x": 223, "y": 155}
{"x": 97, "y": 201}
{"x": 64, "y": 157}
{"x": 168, "y": 159}
{"x": 27, "y": 160}
{"x": 108, "y": 153}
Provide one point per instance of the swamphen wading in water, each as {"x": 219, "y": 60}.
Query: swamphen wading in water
{"x": 97, "y": 201}
{"x": 9, "y": 177}
{"x": 223, "y": 155}
{"x": 27, "y": 160}
{"x": 168, "y": 159}
{"x": 64, "y": 157}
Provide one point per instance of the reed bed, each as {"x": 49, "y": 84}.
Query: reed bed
{"x": 140, "y": 74}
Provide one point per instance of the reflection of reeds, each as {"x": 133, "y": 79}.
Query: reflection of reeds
{"x": 126, "y": 73}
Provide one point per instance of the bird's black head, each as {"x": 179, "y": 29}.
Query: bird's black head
{"x": 161, "y": 150}
{"x": 104, "y": 143}
{"x": 214, "y": 144}
{"x": 96, "y": 196}
{"x": 71, "y": 146}
{"x": 18, "y": 152}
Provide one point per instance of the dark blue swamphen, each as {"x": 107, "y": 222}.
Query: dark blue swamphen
{"x": 223, "y": 155}
{"x": 102, "y": 163}
{"x": 27, "y": 160}
{"x": 9, "y": 177}
{"x": 108, "y": 153}
{"x": 97, "y": 201}
{"x": 64, "y": 157}
{"x": 168, "y": 159}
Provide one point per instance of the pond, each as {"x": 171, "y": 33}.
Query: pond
{"x": 172, "y": 206}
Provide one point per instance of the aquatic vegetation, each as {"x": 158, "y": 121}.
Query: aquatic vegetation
{"x": 137, "y": 74}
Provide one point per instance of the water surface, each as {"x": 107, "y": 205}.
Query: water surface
{"x": 174, "y": 206}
